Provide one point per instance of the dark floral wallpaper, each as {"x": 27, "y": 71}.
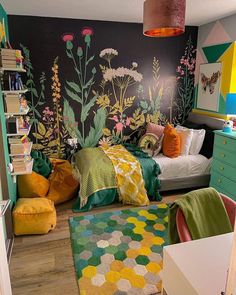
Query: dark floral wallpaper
{"x": 91, "y": 79}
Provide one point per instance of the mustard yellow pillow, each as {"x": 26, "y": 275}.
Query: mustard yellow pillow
{"x": 32, "y": 185}
{"x": 63, "y": 185}
{"x": 34, "y": 216}
{"x": 171, "y": 142}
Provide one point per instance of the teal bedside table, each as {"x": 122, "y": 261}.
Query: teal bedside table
{"x": 223, "y": 171}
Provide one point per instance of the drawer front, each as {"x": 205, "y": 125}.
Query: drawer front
{"x": 223, "y": 191}
{"x": 224, "y": 183}
{"x": 225, "y": 156}
{"x": 225, "y": 169}
{"x": 224, "y": 142}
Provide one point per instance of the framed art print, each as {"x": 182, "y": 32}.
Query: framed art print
{"x": 209, "y": 86}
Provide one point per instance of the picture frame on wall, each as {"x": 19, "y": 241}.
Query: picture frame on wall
{"x": 209, "y": 84}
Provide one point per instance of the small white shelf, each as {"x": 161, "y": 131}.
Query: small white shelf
{"x": 12, "y": 70}
{"x": 28, "y": 170}
{"x": 20, "y": 133}
{"x": 17, "y": 114}
{"x": 27, "y": 152}
{"x": 22, "y": 91}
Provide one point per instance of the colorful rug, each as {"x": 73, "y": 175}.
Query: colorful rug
{"x": 120, "y": 252}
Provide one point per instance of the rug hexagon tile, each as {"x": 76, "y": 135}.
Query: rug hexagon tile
{"x": 120, "y": 252}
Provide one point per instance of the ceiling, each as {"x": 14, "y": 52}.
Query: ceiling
{"x": 198, "y": 11}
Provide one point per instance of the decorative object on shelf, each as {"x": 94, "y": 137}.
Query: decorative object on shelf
{"x": 163, "y": 18}
{"x": 11, "y": 58}
{"x": 228, "y": 126}
{"x": 209, "y": 86}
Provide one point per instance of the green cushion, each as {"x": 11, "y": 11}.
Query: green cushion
{"x": 42, "y": 164}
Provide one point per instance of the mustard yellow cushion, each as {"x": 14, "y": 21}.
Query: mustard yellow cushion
{"x": 32, "y": 185}
{"x": 63, "y": 185}
{"x": 34, "y": 216}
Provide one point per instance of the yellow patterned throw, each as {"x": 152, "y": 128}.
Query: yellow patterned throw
{"x": 129, "y": 177}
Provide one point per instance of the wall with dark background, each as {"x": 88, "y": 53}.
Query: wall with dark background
{"x": 89, "y": 79}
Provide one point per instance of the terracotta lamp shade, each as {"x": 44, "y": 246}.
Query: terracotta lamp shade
{"x": 163, "y": 18}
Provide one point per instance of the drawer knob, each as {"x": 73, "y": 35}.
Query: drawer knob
{"x": 219, "y": 180}
{"x": 224, "y": 142}
{"x": 222, "y": 168}
{"x": 222, "y": 155}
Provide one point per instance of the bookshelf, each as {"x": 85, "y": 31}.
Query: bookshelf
{"x": 15, "y": 108}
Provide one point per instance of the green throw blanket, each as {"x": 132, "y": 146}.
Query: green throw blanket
{"x": 204, "y": 212}
{"x": 98, "y": 185}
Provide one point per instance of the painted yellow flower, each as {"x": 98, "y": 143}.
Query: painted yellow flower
{"x": 2, "y": 32}
{"x": 103, "y": 100}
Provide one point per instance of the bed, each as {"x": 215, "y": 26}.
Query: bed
{"x": 190, "y": 171}
{"x": 99, "y": 181}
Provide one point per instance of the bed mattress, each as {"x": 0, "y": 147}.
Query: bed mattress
{"x": 182, "y": 166}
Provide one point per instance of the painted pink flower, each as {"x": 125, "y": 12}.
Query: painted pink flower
{"x": 127, "y": 123}
{"x": 178, "y": 70}
{"x": 87, "y": 31}
{"x": 182, "y": 73}
{"x": 119, "y": 127}
{"x": 67, "y": 37}
{"x": 115, "y": 118}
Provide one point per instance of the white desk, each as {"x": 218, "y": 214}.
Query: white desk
{"x": 198, "y": 267}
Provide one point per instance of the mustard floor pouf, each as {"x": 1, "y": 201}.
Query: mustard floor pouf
{"x": 34, "y": 216}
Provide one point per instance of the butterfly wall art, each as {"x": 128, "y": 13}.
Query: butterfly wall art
{"x": 209, "y": 86}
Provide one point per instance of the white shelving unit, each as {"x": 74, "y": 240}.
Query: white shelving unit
{"x": 27, "y": 171}
{"x": 12, "y": 70}
{"x": 22, "y": 91}
{"x": 29, "y": 165}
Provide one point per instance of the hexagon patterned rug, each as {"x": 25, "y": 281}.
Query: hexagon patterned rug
{"x": 119, "y": 252}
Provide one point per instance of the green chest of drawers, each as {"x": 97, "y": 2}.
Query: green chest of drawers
{"x": 223, "y": 172}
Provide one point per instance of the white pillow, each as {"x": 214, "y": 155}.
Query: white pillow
{"x": 186, "y": 136}
{"x": 197, "y": 139}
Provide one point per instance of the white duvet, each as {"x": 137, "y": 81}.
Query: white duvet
{"x": 182, "y": 166}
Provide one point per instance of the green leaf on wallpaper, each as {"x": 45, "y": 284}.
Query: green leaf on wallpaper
{"x": 33, "y": 120}
{"x": 73, "y": 95}
{"x": 49, "y": 132}
{"x": 90, "y": 59}
{"x": 143, "y": 104}
{"x": 29, "y": 82}
{"x": 89, "y": 83}
{"x": 69, "y": 122}
{"x": 41, "y": 128}
{"x": 69, "y": 54}
{"x": 36, "y": 112}
{"x": 40, "y": 103}
{"x": 38, "y": 146}
{"x": 53, "y": 143}
{"x": 78, "y": 71}
{"x": 96, "y": 133}
{"x": 38, "y": 136}
{"x": 34, "y": 91}
{"x": 86, "y": 108}
{"x": 74, "y": 86}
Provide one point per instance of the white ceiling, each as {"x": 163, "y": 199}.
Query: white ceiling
{"x": 198, "y": 11}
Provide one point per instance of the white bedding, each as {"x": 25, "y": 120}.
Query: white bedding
{"x": 182, "y": 166}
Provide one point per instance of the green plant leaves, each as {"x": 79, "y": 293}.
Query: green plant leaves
{"x": 90, "y": 59}
{"x": 73, "y": 95}
{"x": 69, "y": 122}
{"x": 74, "y": 86}
{"x": 41, "y": 129}
{"x": 95, "y": 132}
{"x": 85, "y": 110}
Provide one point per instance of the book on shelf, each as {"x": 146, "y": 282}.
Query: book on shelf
{"x": 11, "y": 58}
{"x": 18, "y": 139}
{"x": 14, "y": 103}
{"x": 20, "y": 163}
{"x": 20, "y": 148}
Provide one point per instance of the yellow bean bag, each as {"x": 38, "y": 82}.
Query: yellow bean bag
{"x": 32, "y": 185}
{"x": 34, "y": 216}
{"x": 63, "y": 185}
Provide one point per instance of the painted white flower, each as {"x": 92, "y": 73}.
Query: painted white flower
{"x": 105, "y": 141}
{"x": 122, "y": 72}
{"x": 134, "y": 64}
{"x": 108, "y": 53}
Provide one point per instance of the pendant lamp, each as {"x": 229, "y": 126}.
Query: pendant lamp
{"x": 163, "y": 18}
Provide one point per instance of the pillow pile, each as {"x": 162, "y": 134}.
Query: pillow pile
{"x": 192, "y": 142}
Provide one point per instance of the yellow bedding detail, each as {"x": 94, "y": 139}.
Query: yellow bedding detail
{"x": 129, "y": 177}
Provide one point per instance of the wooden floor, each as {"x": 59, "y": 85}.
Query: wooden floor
{"x": 44, "y": 264}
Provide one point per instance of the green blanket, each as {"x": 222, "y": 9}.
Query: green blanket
{"x": 98, "y": 182}
{"x": 204, "y": 212}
